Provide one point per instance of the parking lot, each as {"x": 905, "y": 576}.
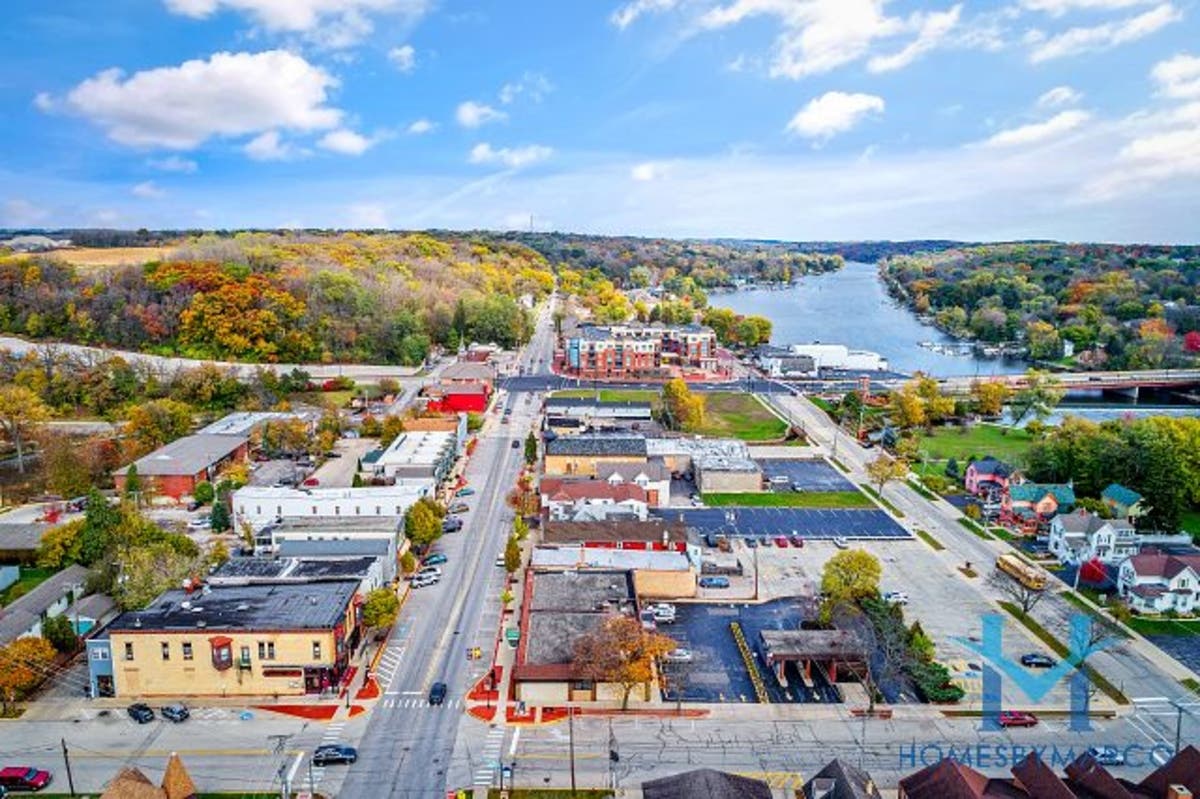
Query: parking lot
{"x": 805, "y": 475}
{"x": 809, "y": 523}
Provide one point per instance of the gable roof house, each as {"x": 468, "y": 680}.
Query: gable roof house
{"x": 840, "y": 780}
{"x": 52, "y": 597}
{"x": 1122, "y": 502}
{"x": 1079, "y": 537}
{"x": 705, "y": 783}
{"x": 1157, "y": 582}
{"x": 131, "y": 783}
{"x": 987, "y": 476}
{"x": 1030, "y": 505}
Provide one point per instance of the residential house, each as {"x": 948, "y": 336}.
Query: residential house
{"x": 230, "y": 640}
{"x": 653, "y": 477}
{"x": 1029, "y": 506}
{"x": 19, "y": 542}
{"x": 91, "y": 612}
{"x": 174, "y": 470}
{"x": 592, "y": 500}
{"x": 840, "y": 780}
{"x": 1158, "y": 582}
{"x": 131, "y": 783}
{"x": 1122, "y": 502}
{"x": 584, "y": 454}
{"x": 706, "y": 783}
{"x": 50, "y": 598}
{"x": 1079, "y": 537}
{"x": 987, "y": 477}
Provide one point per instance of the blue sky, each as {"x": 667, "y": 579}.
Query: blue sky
{"x": 798, "y": 119}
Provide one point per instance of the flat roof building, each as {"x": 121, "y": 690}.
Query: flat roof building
{"x": 422, "y": 455}
{"x": 261, "y": 505}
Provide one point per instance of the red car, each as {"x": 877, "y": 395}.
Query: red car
{"x": 312, "y": 481}
{"x": 781, "y": 541}
{"x": 1017, "y": 718}
{"x": 24, "y": 778}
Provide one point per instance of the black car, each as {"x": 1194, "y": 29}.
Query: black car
{"x": 451, "y": 525}
{"x": 516, "y": 444}
{"x": 141, "y": 713}
{"x": 334, "y": 753}
{"x": 437, "y": 693}
{"x": 1036, "y": 660}
{"x": 175, "y": 713}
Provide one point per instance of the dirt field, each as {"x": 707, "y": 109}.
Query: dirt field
{"x": 111, "y": 256}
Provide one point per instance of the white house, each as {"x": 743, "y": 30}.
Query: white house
{"x": 653, "y": 477}
{"x": 599, "y": 510}
{"x": 261, "y": 505}
{"x": 1080, "y": 537}
{"x": 24, "y": 616}
{"x": 1156, "y": 582}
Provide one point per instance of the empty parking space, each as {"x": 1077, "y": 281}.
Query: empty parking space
{"x": 806, "y": 475}
{"x": 804, "y": 522}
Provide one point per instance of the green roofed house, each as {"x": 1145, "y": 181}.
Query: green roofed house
{"x": 1028, "y": 506}
{"x": 1122, "y": 502}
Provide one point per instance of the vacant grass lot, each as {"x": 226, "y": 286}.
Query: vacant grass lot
{"x": 790, "y": 499}
{"x": 1009, "y": 444}
{"x": 30, "y": 578}
{"x": 112, "y": 256}
{"x": 726, "y": 414}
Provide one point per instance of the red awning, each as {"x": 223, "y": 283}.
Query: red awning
{"x": 220, "y": 640}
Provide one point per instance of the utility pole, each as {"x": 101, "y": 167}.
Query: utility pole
{"x": 571, "y": 737}
{"x": 614, "y": 756}
{"x": 285, "y": 790}
{"x": 71, "y": 780}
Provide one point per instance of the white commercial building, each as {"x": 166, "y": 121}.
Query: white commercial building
{"x": 261, "y": 505}
{"x": 839, "y": 356}
{"x": 418, "y": 455}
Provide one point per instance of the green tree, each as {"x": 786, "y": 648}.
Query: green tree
{"x": 21, "y": 414}
{"x": 219, "y": 516}
{"x": 391, "y": 429}
{"x": 151, "y": 568}
{"x": 204, "y": 492}
{"x": 133, "y": 485}
{"x": 512, "y": 555}
{"x": 380, "y": 608}
{"x": 59, "y": 631}
{"x": 531, "y": 448}
{"x": 520, "y": 528}
{"x": 356, "y": 481}
{"x": 421, "y": 526}
{"x": 1038, "y": 398}
{"x": 408, "y": 562}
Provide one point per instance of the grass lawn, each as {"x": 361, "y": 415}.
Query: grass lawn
{"x": 726, "y": 414}
{"x": 980, "y": 440}
{"x": 30, "y": 578}
{"x": 340, "y": 399}
{"x": 1164, "y": 626}
{"x": 790, "y": 499}
{"x": 928, "y": 539}
{"x": 612, "y": 394}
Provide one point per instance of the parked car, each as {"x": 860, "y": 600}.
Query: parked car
{"x": 424, "y": 580}
{"x": 465, "y": 491}
{"x": 841, "y": 543}
{"x": 176, "y": 713}
{"x": 710, "y": 540}
{"x": 1017, "y": 718}
{"x": 332, "y": 454}
{"x": 664, "y": 612}
{"x": 459, "y": 507}
{"x": 437, "y": 693}
{"x": 1107, "y": 755}
{"x": 765, "y": 541}
{"x": 1036, "y": 660}
{"x": 647, "y": 619}
{"x": 750, "y": 541}
{"x": 141, "y": 713}
{"x": 679, "y": 655}
{"x": 429, "y": 571}
{"x": 781, "y": 541}
{"x": 311, "y": 481}
{"x": 796, "y": 540}
{"x": 201, "y": 523}
{"x": 435, "y": 559}
{"x": 194, "y": 505}
{"x": 24, "y": 778}
{"x": 326, "y": 754}
{"x": 712, "y": 581}
{"x": 896, "y": 598}
{"x": 451, "y": 525}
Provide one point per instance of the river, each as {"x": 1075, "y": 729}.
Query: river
{"x": 851, "y": 307}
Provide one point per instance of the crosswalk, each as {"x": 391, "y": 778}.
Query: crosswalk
{"x": 402, "y": 701}
{"x": 490, "y": 756}
{"x": 333, "y": 734}
{"x": 385, "y": 670}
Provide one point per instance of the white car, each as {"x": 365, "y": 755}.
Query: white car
{"x": 200, "y": 523}
{"x": 422, "y": 580}
{"x": 428, "y": 571}
{"x": 896, "y": 598}
{"x": 679, "y": 655}
{"x": 664, "y": 613}
{"x": 841, "y": 543}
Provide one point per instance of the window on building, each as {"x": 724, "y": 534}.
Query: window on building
{"x": 266, "y": 650}
{"x": 222, "y": 652}
{"x": 357, "y": 510}
{"x": 129, "y": 650}
{"x": 187, "y": 650}
{"x": 314, "y": 510}
{"x": 99, "y": 654}
{"x": 258, "y": 510}
{"x": 377, "y": 510}
{"x": 337, "y": 510}
{"x": 245, "y": 656}
{"x": 166, "y": 650}
{"x": 316, "y": 650}
{"x": 278, "y": 510}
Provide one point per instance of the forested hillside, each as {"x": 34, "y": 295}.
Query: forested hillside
{"x": 284, "y": 297}
{"x": 1118, "y": 306}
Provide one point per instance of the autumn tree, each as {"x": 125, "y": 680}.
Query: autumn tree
{"x": 68, "y": 467}
{"x": 380, "y": 608}
{"x": 285, "y": 435}
{"x": 848, "y": 577}
{"x": 157, "y": 422}
{"x": 151, "y": 567}
{"x": 684, "y": 410}
{"x": 24, "y": 663}
{"x": 885, "y": 469}
{"x": 989, "y": 396}
{"x": 391, "y": 429}
{"x": 512, "y": 555}
{"x": 622, "y": 652}
{"x": 21, "y": 414}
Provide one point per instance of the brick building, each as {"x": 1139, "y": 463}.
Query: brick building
{"x": 618, "y": 351}
{"x": 174, "y": 470}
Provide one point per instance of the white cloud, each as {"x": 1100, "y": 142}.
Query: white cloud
{"x": 933, "y": 29}
{"x": 44, "y": 102}
{"x": 647, "y": 171}
{"x": 269, "y": 146}
{"x": 229, "y": 94}
{"x": 1059, "y": 96}
{"x": 627, "y": 14}
{"x": 533, "y": 85}
{"x": 1178, "y": 77}
{"x": 346, "y": 142}
{"x": 1101, "y": 37}
{"x": 333, "y": 23}
{"x": 513, "y": 158}
{"x": 404, "y": 57}
{"x": 148, "y": 190}
{"x": 1038, "y": 132}
{"x": 1059, "y": 7}
{"x": 19, "y": 213}
{"x": 472, "y": 114}
{"x": 833, "y": 113}
{"x": 421, "y": 126}
{"x": 173, "y": 163}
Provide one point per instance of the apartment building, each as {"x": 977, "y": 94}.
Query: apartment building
{"x": 619, "y": 351}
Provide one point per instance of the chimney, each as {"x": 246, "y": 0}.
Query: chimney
{"x": 1178, "y": 792}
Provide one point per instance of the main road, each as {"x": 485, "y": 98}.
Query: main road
{"x": 408, "y": 745}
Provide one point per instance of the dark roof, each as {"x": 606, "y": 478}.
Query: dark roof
{"x": 1159, "y": 564}
{"x": 706, "y": 783}
{"x": 563, "y": 607}
{"x": 597, "y": 445}
{"x": 654, "y": 468}
{"x": 1182, "y": 769}
{"x": 840, "y": 780}
{"x": 333, "y": 547}
{"x": 1039, "y": 780}
{"x": 992, "y": 466}
{"x": 1088, "y": 775}
{"x": 815, "y": 644}
{"x": 22, "y": 537}
{"x": 949, "y": 779}
{"x": 303, "y": 606}
{"x": 24, "y": 612}
{"x": 264, "y": 570}
{"x": 1034, "y": 492}
{"x": 649, "y": 531}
